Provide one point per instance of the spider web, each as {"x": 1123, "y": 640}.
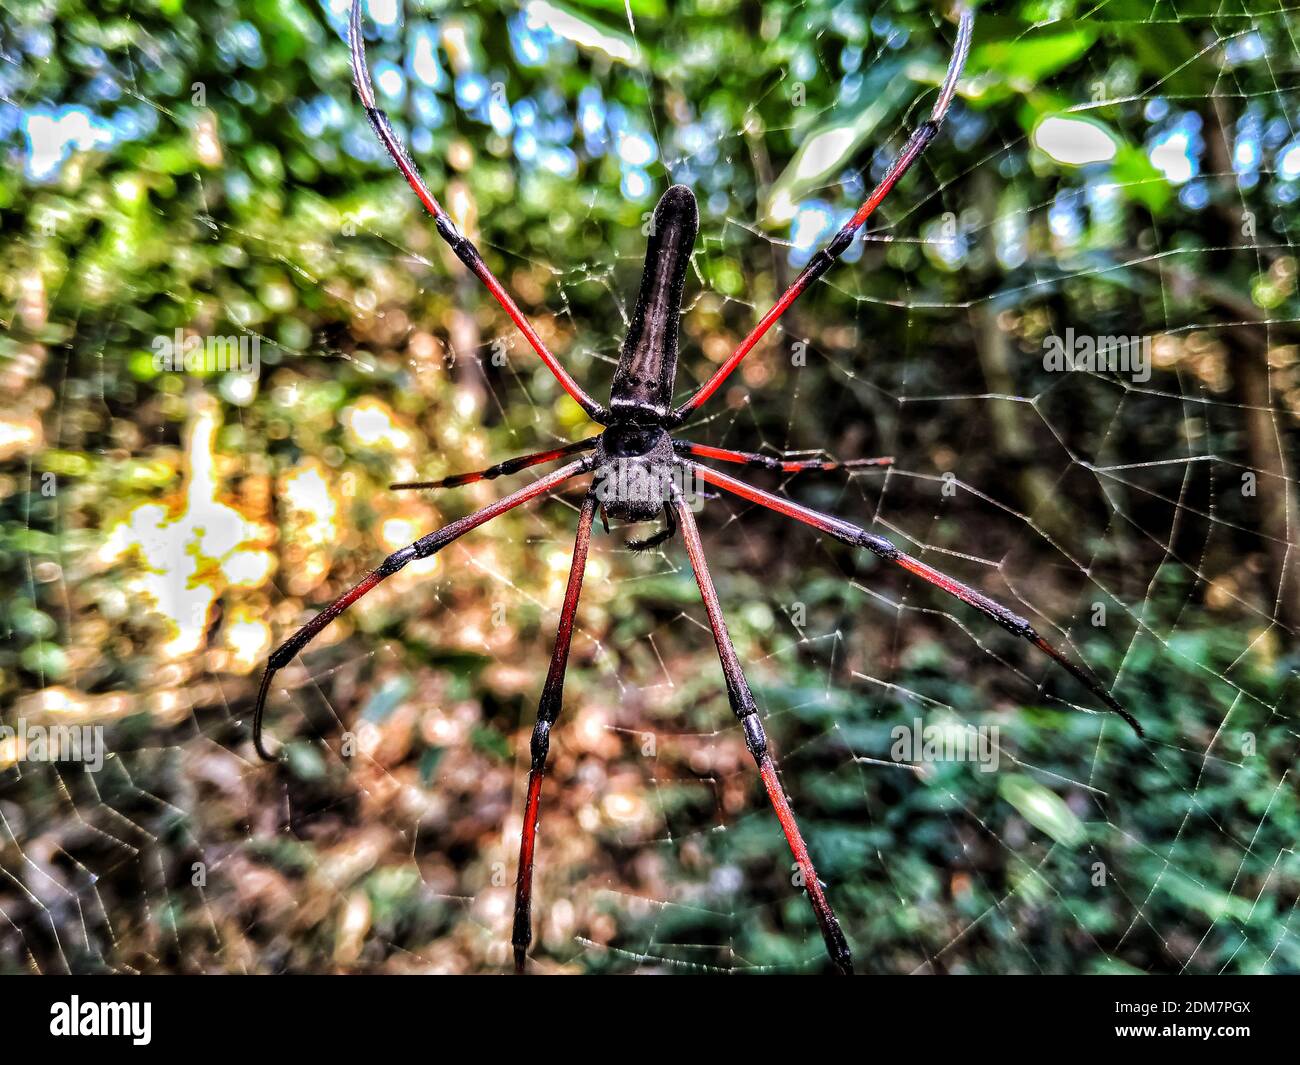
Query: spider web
{"x": 1146, "y": 526}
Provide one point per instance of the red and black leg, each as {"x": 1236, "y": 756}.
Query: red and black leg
{"x": 548, "y": 710}
{"x": 422, "y": 548}
{"x": 838, "y": 244}
{"x": 743, "y": 706}
{"x": 771, "y": 462}
{"x": 851, "y": 534}
{"x": 502, "y": 469}
{"x": 460, "y": 244}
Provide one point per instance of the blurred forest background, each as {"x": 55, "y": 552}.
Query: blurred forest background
{"x": 1129, "y": 168}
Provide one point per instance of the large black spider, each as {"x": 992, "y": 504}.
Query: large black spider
{"x": 638, "y": 469}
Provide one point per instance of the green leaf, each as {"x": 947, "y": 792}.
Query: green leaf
{"x": 1043, "y": 809}
{"x": 1027, "y": 60}
{"x": 461, "y": 663}
{"x": 429, "y": 764}
{"x": 490, "y": 742}
{"x": 1216, "y": 905}
{"x": 651, "y": 9}
{"x": 831, "y": 146}
{"x": 304, "y": 761}
{"x": 1168, "y": 53}
{"x": 387, "y": 699}
{"x": 1139, "y": 180}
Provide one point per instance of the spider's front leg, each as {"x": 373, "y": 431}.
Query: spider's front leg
{"x": 547, "y": 712}
{"x": 771, "y": 462}
{"x": 502, "y": 469}
{"x": 825, "y": 258}
{"x": 461, "y": 245}
{"x": 743, "y": 706}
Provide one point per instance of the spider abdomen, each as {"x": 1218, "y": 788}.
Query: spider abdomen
{"x": 634, "y": 477}
{"x": 647, "y": 367}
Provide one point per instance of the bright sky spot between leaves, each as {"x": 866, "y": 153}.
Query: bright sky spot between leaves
{"x": 1074, "y": 141}
{"x": 585, "y": 32}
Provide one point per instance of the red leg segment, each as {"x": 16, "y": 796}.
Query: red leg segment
{"x": 878, "y": 545}
{"x": 547, "y": 712}
{"x": 422, "y": 548}
{"x": 460, "y": 244}
{"x": 824, "y": 259}
{"x": 502, "y": 469}
{"x": 743, "y": 706}
{"x": 770, "y": 462}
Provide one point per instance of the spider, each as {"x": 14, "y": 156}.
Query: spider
{"x": 638, "y": 468}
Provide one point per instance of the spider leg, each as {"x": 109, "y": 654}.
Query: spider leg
{"x": 771, "y": 462}
{"x": 460, "y": 244}
{"x": 501, "y": 469}
{"x": 422, "y": 548}
{"x": 547, "y": 712}
{"x": 838, "y": 244}
{"x": 878, "y": 545}
{"x": 743, "y": 706}
{"x": 661, "y": 537}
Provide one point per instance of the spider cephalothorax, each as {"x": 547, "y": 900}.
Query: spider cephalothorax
{"x": 639, "y": 470}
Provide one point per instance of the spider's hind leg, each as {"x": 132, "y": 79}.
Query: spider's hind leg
{"x": 848, "y": 533}
{"x": 746, "y": 711}
{"x": 661, "y": 537}
{"x": 547, "y": 711}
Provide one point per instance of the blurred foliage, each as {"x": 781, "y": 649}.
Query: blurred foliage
{"x": 204, "y": 171}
